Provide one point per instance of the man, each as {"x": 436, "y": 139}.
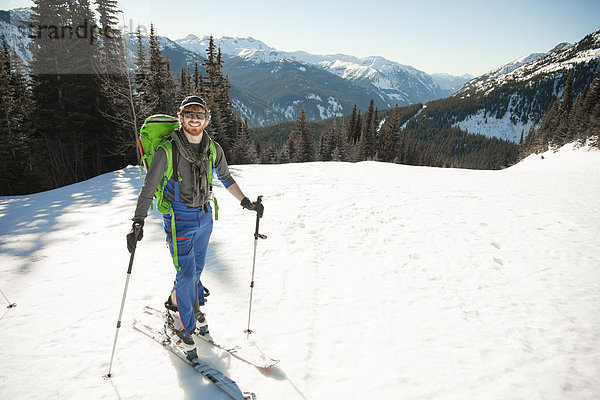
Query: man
{"x": 191, "y": 147}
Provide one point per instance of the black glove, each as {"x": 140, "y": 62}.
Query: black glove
{"x": 255, "y": 206}
{"x": 135, "y": 235}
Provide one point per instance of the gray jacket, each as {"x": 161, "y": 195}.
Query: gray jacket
{"x": 156, "y": 172}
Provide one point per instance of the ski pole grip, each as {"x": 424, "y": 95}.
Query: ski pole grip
{"x": 259, "y": 204}
{"x": 259, "y": 215}
{"x": 131, "y": 262}
{"x": 136, "y": 230}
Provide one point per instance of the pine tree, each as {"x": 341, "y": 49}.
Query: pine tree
{"x": 211, "y": 67}
{"x": 577, "y": 120}
{"x": 124, "y": 89}
{"x": 307, "y": 144}
{"x": 389, "y": 137}
{"x": 229, "y": 115}
{"x": 594, "y": 125}
{"x": 160, "y": 87}
{"x": 244, "y": 147}
{"x": 371, "y": 132}
{"x": 266, "y": 152}
{"x": 548, "y": 126}
{"x": 144, "y": 102}
{"x": 21, "y": 172}
{"x": 224, "y": 125}
{"x": 526, "y": 148}
{"x": 66, "y": 93}
{"x": 587, "y": 123}
{"x": 185, "y": 84}
{"x": 197, "y": 79}
{"x": 327, "y": 143}
{"x": 47, "y": 85}
{"x": 283, "y": 154}
{"x": 300, "y": 143}
{"x": 352, "y": 126}
{"x": 358, "y": 127}
{"x": 117, "y": 104}
{"x": 341, "y": 149}
{"x": 522, "y": 136}
{"x": 141, "y": 63}
{"x": 368, "y": 133}
{"x": 336, "y": 155}
{"x": 561, "y": 136}
{"x": 111, "y": 36}
{"x": 92, "y": 130}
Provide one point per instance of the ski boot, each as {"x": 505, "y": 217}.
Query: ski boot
{"x": 201, "y": 323}
{"x": 175, "y": 330}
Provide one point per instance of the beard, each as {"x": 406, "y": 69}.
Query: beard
{"x": 193, "y": 130}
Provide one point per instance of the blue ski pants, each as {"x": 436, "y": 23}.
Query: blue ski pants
{"x": 193, "y": 227}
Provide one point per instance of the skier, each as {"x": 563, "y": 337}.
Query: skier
{"x": 192, "y": 210}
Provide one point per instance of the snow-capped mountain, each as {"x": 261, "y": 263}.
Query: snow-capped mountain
{"x": 396, "y": 83}
{"x": 246, "y": 48}
{"x": 505, "y": 102}
{"x": 451, "y": 82}
{"x": 326, "y": 85}
{"x": 277, "y": 90}
{"x": 562, "y": 56}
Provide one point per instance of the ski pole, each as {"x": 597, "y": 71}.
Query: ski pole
{"x": 109, "y": 373}
{"x": 257, "y": 236}
{"x": 9, "y": 306}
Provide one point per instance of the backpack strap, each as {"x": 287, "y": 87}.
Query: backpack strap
{"x": 176, "y": 181}
{"x": 163, "y": 205}
{"x": 212, "y": 155}
{"x": 176, "y": 188}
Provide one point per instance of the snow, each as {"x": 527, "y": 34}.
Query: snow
{"x": 289, "y": 110}
{"x": 377, "y": 281}
{"x": 414, "y": 116}
{"x": 490, "y": 126}
{"x": 510, "y": 67}
{"x": 562, "y": 57}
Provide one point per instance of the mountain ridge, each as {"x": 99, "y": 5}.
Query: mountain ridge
{"x": 507, "y": 101}
{"x": 385, "y": 81}
{"x": 269, "y": 86}
{"x": 372, "y": 71}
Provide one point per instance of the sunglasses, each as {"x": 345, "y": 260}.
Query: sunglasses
{"x": 194, "y": 115}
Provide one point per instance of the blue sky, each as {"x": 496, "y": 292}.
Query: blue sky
{"x": 456, "y": 37}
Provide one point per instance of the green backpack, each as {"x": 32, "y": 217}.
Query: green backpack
{"x": 154, "y": 134}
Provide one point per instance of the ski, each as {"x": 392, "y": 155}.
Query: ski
{"x": 223, "y": 382}
{"x": 249, "y": 354}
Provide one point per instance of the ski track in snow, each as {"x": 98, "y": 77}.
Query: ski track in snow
{"x": 376, "y": 281}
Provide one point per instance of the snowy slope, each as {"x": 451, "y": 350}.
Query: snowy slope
{"x": 490, "y": 126}
{"x": 563, "y": 56}
{"x": 377, "y": 281}
{"x": 504, "y": 102}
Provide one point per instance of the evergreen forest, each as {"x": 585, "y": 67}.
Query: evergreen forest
{"x": 76, "y": 111}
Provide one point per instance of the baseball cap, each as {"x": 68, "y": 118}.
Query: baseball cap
{"x": 193, "y": 100}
